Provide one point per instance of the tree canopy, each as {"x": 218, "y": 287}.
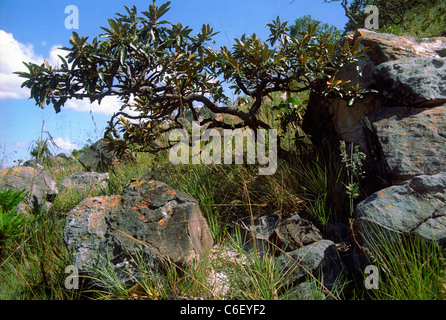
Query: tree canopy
{"x": 301, "y": 24}
{"x": 161, "y": 70}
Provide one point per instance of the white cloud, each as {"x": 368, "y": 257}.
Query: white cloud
{"x": 65, "y": 144}
{"x": 12, "y": 53}
{"x": 53, "y": 58}
{"x": 109, "y": 105}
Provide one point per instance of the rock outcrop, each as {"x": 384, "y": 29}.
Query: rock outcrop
{"x": 412, "y": 81}
{"x": 97, "y": 158}
{"x": 417, "y": 207}
{"x": 39, "y": 184}
{"x": 401, "y": 128}
{"x": 404, "y": 72}
{"x": 407, "y": 142}
{"x": 149, "y": 222}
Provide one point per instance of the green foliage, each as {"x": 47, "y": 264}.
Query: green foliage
{"x": 41, "y": 149}
{"x": 300, "y": 27}
{"x": 290, "y": 114}
{"x": 11, "y": 222}
{"x": 77, "y": 153}
{"x": 319, "y": 185}
{"x": 427, "y": 19}
{"x": 169, "y": 71}
{"x": 352, "y": 160}
{"x": 410, "y": 268}
{"x": 419, "y": 18}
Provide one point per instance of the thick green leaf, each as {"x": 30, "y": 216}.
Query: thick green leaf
{"x": 292, "y": 100}
{"x": 114, "y": 26}
{"x": 123, "y": 55}
{"x": 351, "y": 102}
{"x": 102, "y": 77}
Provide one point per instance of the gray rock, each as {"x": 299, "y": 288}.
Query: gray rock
{"x": 39, "y": 184}
{"x": 412, "y": 81}
{"x": 64, "y": 157}
{"x": 317, "y": 258}
{"x": 34, "y": 163}
{"x": 257, "y": 231}
{"x": 406, "y": 142}
{"x": 150, "y": 222}
{"x": 296, "y": 232}
{"x": 384, "y": 47}
{"x": 85, "y": 180}
{"x": 417, "y": 208}
{"x": 308, "y": 290}
{"x": 98, "y": 158}
{"x": 404, "y": 71}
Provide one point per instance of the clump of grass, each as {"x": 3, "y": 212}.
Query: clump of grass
{"x": 11, "y": 221}
{"x": 61, "y": 169}
{"x": 69, "y": 197}
{"x": 121, "y": 175}
{"x": 34, "y": 267}
{"x": 319, "y": 184}
{"x": 411, "y": 268}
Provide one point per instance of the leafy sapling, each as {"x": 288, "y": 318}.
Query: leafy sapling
{"x": 353, "y": 161}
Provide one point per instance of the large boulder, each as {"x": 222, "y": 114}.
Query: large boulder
{"x": 406, "y": 142}
{"x": 417, "y": 207}
{"x": 412, "y": 81}
{"x": 319, "y": 259}
{"x": 149, "y": 222}
{"x": 383, "y": 47}
{"x": 39, "y": 184}
{"x": 98, "y": 158}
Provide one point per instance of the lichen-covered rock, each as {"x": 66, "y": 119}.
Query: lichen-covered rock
{"x": 406, "y": 142}
{"x": 403, "y": 71}
{"x": 418, "y": 207}
{"x": 150, "y": 222}
{"x": 296, "y": 232}
{"x": 412, "y": 81}
{"x": 385, "y": 47}
{"x": 39, "y": 184}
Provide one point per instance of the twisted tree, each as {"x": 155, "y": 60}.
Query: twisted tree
{"x": 161, "y": 71}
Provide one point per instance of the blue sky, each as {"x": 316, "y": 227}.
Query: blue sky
{"x": 33, "y": 30}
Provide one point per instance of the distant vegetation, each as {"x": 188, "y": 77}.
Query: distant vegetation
{"x": 418, "y": 18}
